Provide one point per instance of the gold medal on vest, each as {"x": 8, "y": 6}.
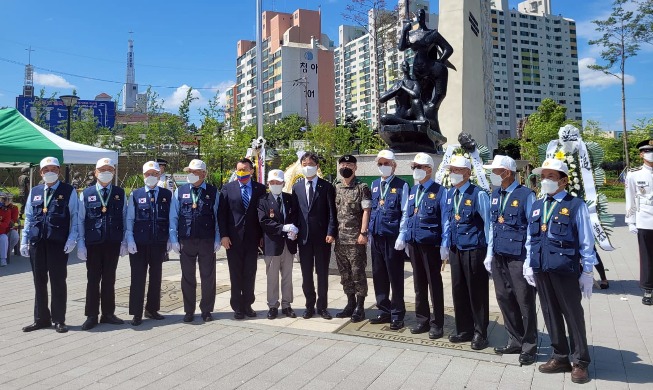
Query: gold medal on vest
{"x": 543, "y": 227}
{"x": 45, "y": 210}
{"x": 501, "y": 219}
{"x": 381, "y": 202}
{"x": 457, "y": 217}
{"x": 104, "y": 209}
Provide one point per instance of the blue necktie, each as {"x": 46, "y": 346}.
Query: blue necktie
{"x": 245, "y": 197}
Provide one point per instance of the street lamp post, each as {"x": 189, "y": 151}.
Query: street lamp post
{"x": 198, "y": 138}
{"x": 69, "y": 101}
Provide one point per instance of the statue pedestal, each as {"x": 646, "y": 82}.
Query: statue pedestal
{"x": 411, "y": 138}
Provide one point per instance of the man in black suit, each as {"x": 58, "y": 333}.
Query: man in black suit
{"x": 276, "y": 214}
{"x": 315, "y": 200}
{"x": 238, "y": 214}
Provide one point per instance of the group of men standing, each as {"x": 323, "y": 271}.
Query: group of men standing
{"x": 521, "y": 242}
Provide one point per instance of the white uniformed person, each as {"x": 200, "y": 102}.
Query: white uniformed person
{"x": 165, "y": 181}
{"x": 639, "y": 215}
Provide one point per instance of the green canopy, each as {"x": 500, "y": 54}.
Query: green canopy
{"x": 24, "y": 141}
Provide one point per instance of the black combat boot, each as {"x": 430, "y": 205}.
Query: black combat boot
{"x": 349, "y": 309}
{"x": 359, "y": 312}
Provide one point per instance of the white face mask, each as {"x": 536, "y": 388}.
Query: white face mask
{"x": 276, "y": 189}
{"x": 495, "y": 179}
{"x": 385, "y": 170}
{"x": 419, "y": 174}
{"x": 455, "y": 178}
{"x": 648, "y": 156}
{"x": 105, "y": 177}
{"x": 549, "y": 187}
{"x": 192, "y": 178}
{"x": 151, "y": 181}
{"x": 50, "y": 177}
{"x": 309, "y": 170}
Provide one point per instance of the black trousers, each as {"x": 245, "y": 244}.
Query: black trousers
{"x": 197, "y": 251}
{"x": 427, "y": 264}
{"x": 470, "y": 288}
{"x": 645, "y": 240}
{"x": 48, "y": 260}
{"x": 516, "y": 299}
{"x": 560, "y": 299}
{"x": 315, "y": 257}
{"x": 388, "y": 273}
{"x": 147, "y": 257}
{"x": 242, "y": 274}
{"x": 101, "y": 264}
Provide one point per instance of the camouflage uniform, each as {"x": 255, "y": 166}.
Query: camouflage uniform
{"x": 350, "y": 256}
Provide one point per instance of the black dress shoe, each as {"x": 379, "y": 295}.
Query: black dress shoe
{"x": 648, "y": 301}
{"x": 249, "y": 312}
{"x": 460, "y": 338}
{"x": 207, "y": 317}
{"x": 111, "y": 319}
{"x": 420, "y": 328}
{"x": 189, "y": 317}
{"x": 137, "y": 320}
{"x": 90, "y": 323}
{"x": 381, "y": 319}
{"x": 507, "y": 350}
{"x": 60, "y": 327}
{"x": 272, "y": 313}
{"x": 526, "y": 358}
{"x": 479, "y": 342}
{"x": 308, "y": 313}
{"x": 436, "y": 332}
{"x": 154, "y": 315}
{"x": 289, "y": 312}
{"x": 239, "y": 315}
{"x": 37, "y": 326}
{"x": 396, "y": 324}
{"x": 324, "y": 313}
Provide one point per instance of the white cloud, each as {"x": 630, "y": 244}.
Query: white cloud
{"x": 590, "y": 78}
{"x": 222, "y": 88}
{"x": 173, "y": 101}
{"x": 51, "y": 80}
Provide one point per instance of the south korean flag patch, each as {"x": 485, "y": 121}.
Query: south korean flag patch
{"x": 495, "y": 200}
{"x": 36, "y": 198}
{"x": 185, "y": 196}
{"x": 536, "y": 212}
{"x": 142, "y": 200}
{"x": 92, "y": 198}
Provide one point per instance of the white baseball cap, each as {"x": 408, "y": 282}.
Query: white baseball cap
{"x": 195, "y": 164}
{"x": 50, "y": 161}
{"x": 275, "y": 174}
{"x": 387, "y": 154}
{"x": 459, "y": 162}
{"x": 501, "y": 161}
{"x": 151, "y": 165}
{"x": 554, "y": 164}
{"x": 104, "y": 162}
{"x": 423, "y": 159}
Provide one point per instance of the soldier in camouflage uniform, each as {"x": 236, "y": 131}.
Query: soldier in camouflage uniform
{"x": 353, "y": 203}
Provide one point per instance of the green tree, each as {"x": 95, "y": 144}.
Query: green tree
{"x": 612, "y": 148}
{"x": 184, "y": 107}
{"x": 281, "y": 134}
{"x": 510, "y": 147}
{"x": 641, "y": 131}
{"x": 621, "y": 33}
{"x": 541, "y": 127}
{"x": 330, "y": 142}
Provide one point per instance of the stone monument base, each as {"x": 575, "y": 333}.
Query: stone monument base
{"x": 412, "y": 138}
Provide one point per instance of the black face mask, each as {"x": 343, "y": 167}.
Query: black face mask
{"x": 346, "y": 172}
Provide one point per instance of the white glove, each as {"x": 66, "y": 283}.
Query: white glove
{"x": 488, "y": 263}
{"x": 131, "y": 248}
{"x": 444, "y": 253}
{"x": 70, "y": 245}
{"x": 24, "y": 250}
{"x": 81, "y": 252}
{"x": 175, "y": 247}
{"x": 289, "y": 228}
{"x": 586, "y": 282}
{"x": 216, "y": 246}
{"x": 292, "y": 236}
{"x": 528, "y": 275}
{"x": 400, "y": 244}
{"x": 632, "y": 228}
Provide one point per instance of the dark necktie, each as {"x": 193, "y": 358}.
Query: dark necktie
{"x": 104, "y": 193}
{"x": 48, "y": 196}
{"x": 49, "y": 192}
{"x": 383, "y": 185}
{"x": 245, "y": 197}
{"x": 311, "y": 192}
{"x": 279, "y": 205}
{"x": 151, "y": 196}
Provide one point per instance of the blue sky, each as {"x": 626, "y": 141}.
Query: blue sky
{"x": 193, "y": 43}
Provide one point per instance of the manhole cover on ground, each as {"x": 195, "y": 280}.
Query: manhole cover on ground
{"x": 171, "y": 297}
{"x": 496, "y": 332}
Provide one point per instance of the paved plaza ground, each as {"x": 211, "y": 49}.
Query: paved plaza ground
{"x": 296, "y": 353}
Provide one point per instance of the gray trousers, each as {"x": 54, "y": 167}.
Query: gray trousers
{"x": 275, "y": 265}
{"x": 197, "y": 251}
